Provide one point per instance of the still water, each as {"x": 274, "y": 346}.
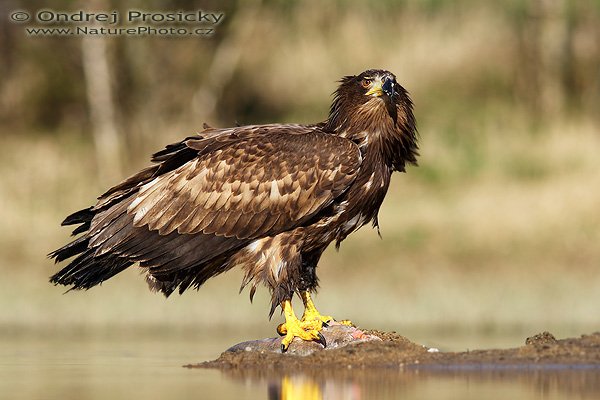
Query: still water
{"x": 151, "y": 368}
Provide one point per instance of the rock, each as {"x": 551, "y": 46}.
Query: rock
{"x": 336, "y": 335}
{"x": 543, "y": 338}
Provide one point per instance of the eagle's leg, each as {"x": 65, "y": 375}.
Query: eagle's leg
{"x": 305, "y": 330}
{"x": 311, "y": 317}
{"x": 310, "y": 311}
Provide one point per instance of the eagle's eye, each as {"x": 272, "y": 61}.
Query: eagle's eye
{"x": 366, "y": 82}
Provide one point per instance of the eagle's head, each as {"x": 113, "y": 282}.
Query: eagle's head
{"x": 373, "y": 106}
{"x": 374, "y": 83}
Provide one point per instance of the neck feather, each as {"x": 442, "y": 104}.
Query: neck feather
{"x": 379, "y": 126}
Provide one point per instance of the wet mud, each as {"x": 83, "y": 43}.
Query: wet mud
{"x": 350, "y": 348}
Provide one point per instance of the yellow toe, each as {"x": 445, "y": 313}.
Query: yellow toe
{"x": 312, "y": 314}
{"x": 294, "y": 328}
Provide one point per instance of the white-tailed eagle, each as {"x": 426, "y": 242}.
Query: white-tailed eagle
{"x": 265, "y": 198}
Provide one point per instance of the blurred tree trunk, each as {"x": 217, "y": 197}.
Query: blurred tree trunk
{"x": 226, "y": 59}
{"x": 553, "y": 53}
{"x": 98, "y": 82}
{"x": 7, "y": 64}
{"x": 545, "y": 41}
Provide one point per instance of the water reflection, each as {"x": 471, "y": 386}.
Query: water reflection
{"x": 295, "y": 388}
{"x": 125, "y": 368}
{"x": 466, "y": 382}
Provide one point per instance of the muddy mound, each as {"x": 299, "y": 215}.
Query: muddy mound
{"x": 350, "y": 348}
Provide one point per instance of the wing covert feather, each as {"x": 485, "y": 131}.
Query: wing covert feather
{"x": 249, "y": 187}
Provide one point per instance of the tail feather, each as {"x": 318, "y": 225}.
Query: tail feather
{"x": 81, "y": 228}
{"x": 87, "y": 271}
{"x": 72, "y": 249}
{"x": 110, "y": 242}
{"x": 80, "y": 217}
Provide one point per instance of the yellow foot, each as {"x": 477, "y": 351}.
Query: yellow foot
{"x": 312, "y": 314}
{"x": 293, "y": 327}
{"x": 310, "y": 324}
{"x": 311, "y": 319}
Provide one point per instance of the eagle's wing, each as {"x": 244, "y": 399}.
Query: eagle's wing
{"x": 248, "y": 187}
{"x": 206, "y": 197}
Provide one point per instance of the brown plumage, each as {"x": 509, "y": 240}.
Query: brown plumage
{"x": 268, "y": 198}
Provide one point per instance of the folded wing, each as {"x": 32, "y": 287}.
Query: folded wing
{"x": 208, "y": 197}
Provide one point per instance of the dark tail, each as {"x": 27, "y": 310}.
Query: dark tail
{"x": 85, "y": 270}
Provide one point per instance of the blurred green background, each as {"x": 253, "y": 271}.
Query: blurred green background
{"x": 496, "y": 231}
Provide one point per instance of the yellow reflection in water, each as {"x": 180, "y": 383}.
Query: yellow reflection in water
{"x": 299, "y": 388}
{"x": 304, "y": 387}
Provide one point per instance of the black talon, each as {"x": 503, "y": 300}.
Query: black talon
{"x": 322, "y": 340}
{"x": 283, "y": 348}
{"x": 326, "y": 324}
